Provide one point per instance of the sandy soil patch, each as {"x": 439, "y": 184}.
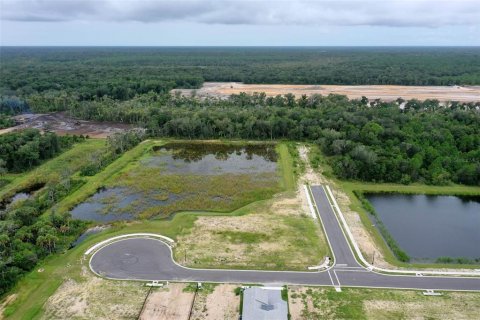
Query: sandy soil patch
{"x": 6, "y": 301}
{"x": 372, "y": 92}
{"x": 221, "y": 304}
{"x": 62, "y": 124}
{"x": 96, "y": 298}
{"x": 168, "y": 303}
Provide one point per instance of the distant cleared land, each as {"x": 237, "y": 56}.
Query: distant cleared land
{"x": 372, "y": 92}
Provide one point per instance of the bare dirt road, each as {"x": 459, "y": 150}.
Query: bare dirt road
{"x": 385, "y": 93}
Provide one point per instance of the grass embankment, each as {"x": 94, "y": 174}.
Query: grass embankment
{"x": 352, "y": 188}
{"x": 97, "y": 181}
{"x": 353, "y": 303}
{"x": 68, "y": 163}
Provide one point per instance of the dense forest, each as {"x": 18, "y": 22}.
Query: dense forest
{"x": 76, "y": 74}
{"x": 20, "y": 151}
{"x": 369, "y": 141}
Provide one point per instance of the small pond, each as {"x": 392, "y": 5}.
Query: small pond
{"x": 89, "y": 232}
{"x": 213, "y": 159}
{"x": 114, "y": 204}
{"x": 179, "y": 159}
{"x": 430, "y": 227}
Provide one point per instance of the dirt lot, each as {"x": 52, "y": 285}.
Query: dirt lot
{"x": 386, "y": 93}
{"x": 221, "y": 304}
{"x": 95, "y": 298}
{"x": 325, "y": 303}
{"x": 168, "y": 303}
{"x": 61, "y": 124}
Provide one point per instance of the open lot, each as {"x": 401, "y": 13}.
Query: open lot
{"x": 172, "y": 302}
{"x": 308, "y": 303}
{"x": 372, "y": 92}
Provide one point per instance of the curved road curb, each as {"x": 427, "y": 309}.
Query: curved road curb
{"x": 99, "y": 245}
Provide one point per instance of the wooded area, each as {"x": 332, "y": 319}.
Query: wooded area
{"x": 76, "y": 73}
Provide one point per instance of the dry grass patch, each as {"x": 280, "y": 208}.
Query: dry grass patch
{"x": 275, "y": 234}
{"x": 325, "y": 303}
{"x": 221, "y": 304}
{"x": 96, "y": 298}
{"x": 172, "y": 302}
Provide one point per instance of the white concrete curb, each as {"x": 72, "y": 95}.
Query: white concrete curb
{"x": 372, "y": 267}
{"x": 310, "y": 204}
{"x": 101, "y": 244}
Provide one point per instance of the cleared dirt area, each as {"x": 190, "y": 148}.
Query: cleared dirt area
{"x": 95, "y": 298}
{"x": 168, "y": 303}
{"x": 372, "y": 92}
{"x": 325, "y": 303}
{"x": 221, "y": 304}
{"x": 62, "y": 124}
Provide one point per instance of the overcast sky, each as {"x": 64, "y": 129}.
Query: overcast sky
{"x": 247, "y": 22}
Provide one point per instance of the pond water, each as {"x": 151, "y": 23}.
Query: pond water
{"x": 202, "y": 159}
{"x": 89, "y": 232}
{"x": 114, "y": 204}
{"x": 430, "y": 227}
{"x": 213, "y": 159}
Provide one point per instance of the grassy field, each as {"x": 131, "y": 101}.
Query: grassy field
{"x": 351, "y": 303}
{"x": 69, "y": 162}
{"x": 294, "y": 242}
{"x": 349, "y": 187}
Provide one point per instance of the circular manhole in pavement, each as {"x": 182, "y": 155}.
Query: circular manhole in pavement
{"x": 129, "y": 259}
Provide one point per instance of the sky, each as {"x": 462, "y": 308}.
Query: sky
{"x": 240, "y": 23}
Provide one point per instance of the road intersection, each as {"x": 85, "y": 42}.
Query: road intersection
{"x": 148, "y": 259}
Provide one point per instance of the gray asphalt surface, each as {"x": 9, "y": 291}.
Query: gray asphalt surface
{"x": 151, "y": 259}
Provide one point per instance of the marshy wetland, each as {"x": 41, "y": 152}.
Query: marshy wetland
{"x": 431, "y": 228}
{"x": 182, "y": 176}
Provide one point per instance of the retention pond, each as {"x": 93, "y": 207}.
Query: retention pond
{"x": 185, "y": 176}
{"x": 431, "y": 227}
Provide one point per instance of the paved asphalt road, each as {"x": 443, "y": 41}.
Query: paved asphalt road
{"x": 151, "y": 259}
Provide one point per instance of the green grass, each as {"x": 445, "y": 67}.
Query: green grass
{"x": 350, "y": 187}
{"x": 69, "y": 162}
{"x": 288, "y": 164}
{"x": 97, "y": 181}
{"x": 353, "y": 303}
{"x": 243, "y": 237}
{"x": 36, "y": 287}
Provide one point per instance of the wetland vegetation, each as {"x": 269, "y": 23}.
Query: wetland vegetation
{"x": 187, "y": 176}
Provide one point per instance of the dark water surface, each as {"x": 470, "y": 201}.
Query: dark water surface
{"x": 213, "y": 158}
{"x": 429, "y": 227}
{"x": 202, "y": 159}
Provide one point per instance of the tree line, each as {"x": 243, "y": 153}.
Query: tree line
{"x": 402, "y": 142}
{"x": 23, "y": 150}
{"x": 122, "y": 73}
